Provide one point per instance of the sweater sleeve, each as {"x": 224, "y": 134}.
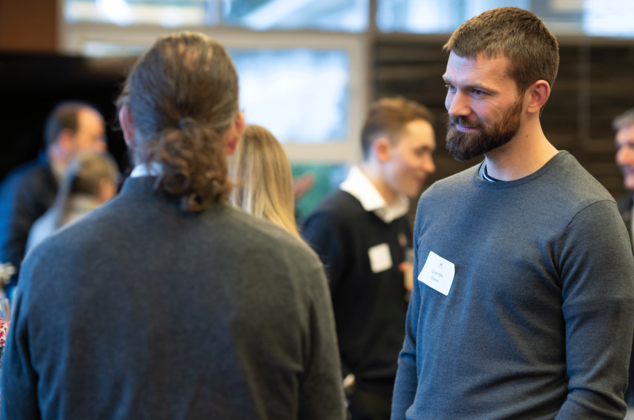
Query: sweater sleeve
{"x": 406, "y": 376}
{"x": 321, "y": 394}
{"x": 597, "y": 280}
{"x": 19, "y": 380}
{"x": 324, "y": 236}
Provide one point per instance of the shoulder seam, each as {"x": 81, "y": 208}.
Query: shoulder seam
{"x": 583, "y": 209}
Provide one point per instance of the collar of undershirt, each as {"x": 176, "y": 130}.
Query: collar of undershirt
{"x": 485, "y": 175}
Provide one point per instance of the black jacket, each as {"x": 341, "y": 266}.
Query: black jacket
{"x": 369, "y": 307}
{"x": 25, "y": 194}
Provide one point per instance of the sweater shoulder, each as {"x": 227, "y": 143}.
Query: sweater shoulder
{"x": 564, "y": 178}
{"x": 266, "y": 235}
{"x": 624, "y": 203}
{"x": 573, "y": 185}
{"x": 123, "y": 219}
{"x": 454, "y": 184}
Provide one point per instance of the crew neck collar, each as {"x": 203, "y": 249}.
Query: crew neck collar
{"x": 510, "y": 184}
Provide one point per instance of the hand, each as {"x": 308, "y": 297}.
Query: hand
{"x": 348, "y": 384}
{"x": 408, "y": 273}
{"x": 302, "y": 185}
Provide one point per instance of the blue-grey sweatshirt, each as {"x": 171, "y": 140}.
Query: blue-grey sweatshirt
{"x": 539, "y": 320}
{"x": 143, "y": 311}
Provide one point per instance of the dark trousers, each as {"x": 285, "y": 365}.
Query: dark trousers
{"x": 369, "y": 405}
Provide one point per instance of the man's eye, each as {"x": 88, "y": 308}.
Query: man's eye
{"x": 450, "y": 88}
{"x": 478, "y": 92}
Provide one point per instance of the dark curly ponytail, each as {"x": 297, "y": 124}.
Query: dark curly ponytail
{"x": 183, "y": 95}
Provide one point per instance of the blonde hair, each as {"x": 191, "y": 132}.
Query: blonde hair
{"x": 264, "y": 179}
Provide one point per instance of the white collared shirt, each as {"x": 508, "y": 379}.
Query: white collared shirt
{"x": 152, "y": 169}
{"x": 359, "y": 186}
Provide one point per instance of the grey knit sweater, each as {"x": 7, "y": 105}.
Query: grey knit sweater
{"x": 539, "y": 319}
{"x": 142, "y": 311}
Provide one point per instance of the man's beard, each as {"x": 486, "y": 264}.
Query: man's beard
{"x": 465, "y": 146}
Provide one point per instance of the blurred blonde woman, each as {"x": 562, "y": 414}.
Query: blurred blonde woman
{"x": 264, "y": 180}
{"x": 90, "y": 181}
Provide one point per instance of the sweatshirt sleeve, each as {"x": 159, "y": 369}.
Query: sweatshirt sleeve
{"x": 597, "y": 280}
{"x": 325, "y": 237}
{"x": 406, "y": 376}
{"x": 19, "y": 380}
{"x": 321, "y": 394}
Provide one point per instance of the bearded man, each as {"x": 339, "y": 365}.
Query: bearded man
{"x": 524, "y": 304}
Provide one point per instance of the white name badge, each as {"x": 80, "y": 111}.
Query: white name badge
{"x": 380, "y": 258}
{"x": 438, "y": 273}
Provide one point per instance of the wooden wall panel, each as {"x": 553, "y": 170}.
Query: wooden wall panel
{"x": 28, "y": 25}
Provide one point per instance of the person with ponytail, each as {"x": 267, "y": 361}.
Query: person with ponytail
{"x": 167, "y": 302}
{"x": 90, "y": 181}
{"x": 264, "y": 180}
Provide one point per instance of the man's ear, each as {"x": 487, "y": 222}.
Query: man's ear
{"x": 235, "y": 131}
{"x": 381, "y": 149}
{"x": 538, "y": 94}
{"x": 127, "y": 126}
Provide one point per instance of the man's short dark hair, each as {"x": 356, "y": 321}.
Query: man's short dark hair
{"x": 388, "y": 118}
{"x": 63, "y": 116}
{"x": 624, "y": 120}
{"x": 516, "y": 34}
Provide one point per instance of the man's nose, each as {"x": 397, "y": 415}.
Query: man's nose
{"x": 428, "y": 164}
{"x": 458, "y": 105}
{"x": 625, "y": 155}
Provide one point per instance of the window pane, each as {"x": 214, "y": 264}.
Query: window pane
{"x": 168, "y": 13}
{"x": 105, "y": 49}
{"x": 475, "y": 7}
{"x": 434, "y": 16}
{"x": 300, "y": 95}
{"x": 614, "y": 18}
{"x": 328, "y": 15}
{"x": 571, "y": 17}
{"x": 326, "y": 179}
{"x": 419, "y": 16}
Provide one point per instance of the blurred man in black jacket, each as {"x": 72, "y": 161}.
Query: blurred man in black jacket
{"x": 362, "y": 235}
{"x": 28, "y": 191}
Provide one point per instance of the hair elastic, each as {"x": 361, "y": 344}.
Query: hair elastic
{"x": 184, "y": 122}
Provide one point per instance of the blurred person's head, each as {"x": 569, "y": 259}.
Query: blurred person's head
{"x": 264, "y": 179}
{"x": 179, "y": 111}
{"x": 501, "y": 68}
{"x": 624, "y": 127}
{"x": 398, "y": 137}
{"x": 90, "y": 175}
{"x": 72, "y": 127}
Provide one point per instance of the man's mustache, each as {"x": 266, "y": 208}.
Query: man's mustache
{"x": 462, "y": 121}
